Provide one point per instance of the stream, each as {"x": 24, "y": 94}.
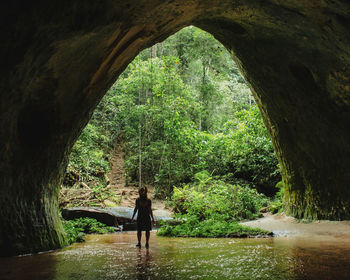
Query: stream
{"x": 114, "y": 256}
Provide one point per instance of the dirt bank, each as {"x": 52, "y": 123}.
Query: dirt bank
{"x": 128, "y": 194}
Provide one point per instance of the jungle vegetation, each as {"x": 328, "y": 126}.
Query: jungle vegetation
{"x": 183, "y": 107}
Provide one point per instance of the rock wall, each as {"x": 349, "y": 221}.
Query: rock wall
{"x": 58, "y": 58}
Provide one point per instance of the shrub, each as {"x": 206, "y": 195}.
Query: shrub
{"x": 212, "y": 208}
{"x": 210, "y": 228}
{"x": 276, "y": 206}
{"x": 209, "y": 198}
{"x": 77, "y": 228}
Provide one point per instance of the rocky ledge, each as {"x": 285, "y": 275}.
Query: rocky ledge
{"x": 112, "y": 216}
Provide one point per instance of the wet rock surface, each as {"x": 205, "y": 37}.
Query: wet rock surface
{"x": 112, "y": 216}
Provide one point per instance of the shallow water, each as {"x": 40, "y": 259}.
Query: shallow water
{"x": 115, "y": 256}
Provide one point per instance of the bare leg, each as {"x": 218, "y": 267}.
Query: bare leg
{"x": 138, "y": 238}
{"x": 147, "y": 238}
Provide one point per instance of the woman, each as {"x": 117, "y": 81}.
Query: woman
{"x": 143, "y": 206}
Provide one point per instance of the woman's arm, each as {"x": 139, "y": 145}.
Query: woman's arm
{"x": 135, "y": 210}
{"x": 150, "y": 210}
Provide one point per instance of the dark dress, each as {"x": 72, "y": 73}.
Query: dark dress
{"x": 143, "y": 214}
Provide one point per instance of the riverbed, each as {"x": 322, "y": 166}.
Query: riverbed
{"x": 114, "y": 256}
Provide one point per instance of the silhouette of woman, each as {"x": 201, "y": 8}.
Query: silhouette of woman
{"x": 143, "y": 206}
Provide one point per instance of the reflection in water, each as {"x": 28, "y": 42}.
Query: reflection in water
{"x": 115, "y": 256}
{"x": 320, "y": 259}
{"x": 143, "y": 265}
{"x": 38, "y": 267}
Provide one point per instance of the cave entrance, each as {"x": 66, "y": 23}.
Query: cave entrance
{"x": 180, "y": 114}
{"x": 61, "y": 58}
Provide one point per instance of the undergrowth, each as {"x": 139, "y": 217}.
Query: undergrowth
{"x": 212, "y": 208}
{"x": 77, "y": 228}
{"x": 210, "y": 228}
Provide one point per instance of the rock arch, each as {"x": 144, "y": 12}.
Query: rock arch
{"x": 58, "y": 58}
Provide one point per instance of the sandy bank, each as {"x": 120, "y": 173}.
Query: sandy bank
{"x": 282, "y": 225}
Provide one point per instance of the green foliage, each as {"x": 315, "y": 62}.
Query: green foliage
{"x": 73, "y": 233}
{"x": 100, "y": 192}
{"x": 77, "y": 228}
{"x": 210, "y": 228}
{"x": 276, "y": 206}
{"x": 209, "y": 198}
{"x": 195, "y": 113}
{"x": 247, "y": 149}
{"x": 173, "y": 146}
{"x": 212, "y": 208}
{"x": 88, "y": 154}
{"x": 91, "y": 152}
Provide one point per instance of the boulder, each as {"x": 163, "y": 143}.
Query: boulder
{"x": 112, "y": 216}
{"x": 99, "y": 214}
